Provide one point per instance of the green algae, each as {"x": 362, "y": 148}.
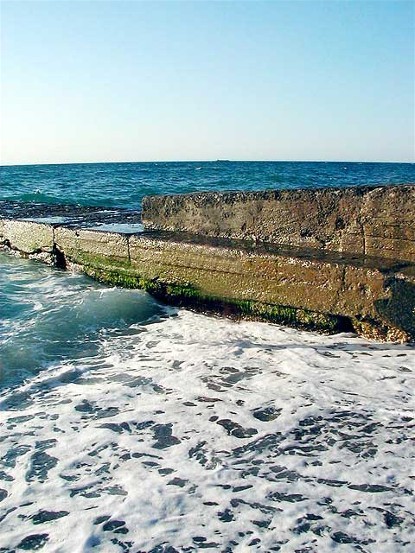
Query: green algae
{"x": 187, "y": 295}
{"x": 114, "y": 277}
{"x": 103, "y": 262}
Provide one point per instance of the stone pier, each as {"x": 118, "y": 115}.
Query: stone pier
{"x": 327, "y": 260}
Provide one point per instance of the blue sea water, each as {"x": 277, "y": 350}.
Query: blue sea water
{"x": 128, "y": 426}
{"x": 124, "y": 184}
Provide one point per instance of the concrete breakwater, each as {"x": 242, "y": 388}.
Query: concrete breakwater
{"x": 367, "y": 221}
{"x": 328, "y": 260}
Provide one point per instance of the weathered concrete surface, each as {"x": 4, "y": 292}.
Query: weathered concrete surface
{"x": 88, "y": 247}
{"x": 363, "y": 220}
{"x": 27, "y": 236}
{"x": 368, "y": 293}
{"x": 299, "y": 286}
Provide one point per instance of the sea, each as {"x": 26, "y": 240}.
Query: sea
{"x": 130, "y": 426}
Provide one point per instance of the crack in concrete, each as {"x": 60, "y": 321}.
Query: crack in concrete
{"x": 362, "y": 226}
{"x": 341, "y": 287}
{"x": 58, "y": 256}
{"x": 128, "y": 248}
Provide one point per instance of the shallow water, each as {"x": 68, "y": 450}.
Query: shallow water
{"x": 155, "y": 429}
{"x": 48, "y": 316}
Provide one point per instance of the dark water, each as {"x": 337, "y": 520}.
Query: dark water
{"x": 124, "y": 184}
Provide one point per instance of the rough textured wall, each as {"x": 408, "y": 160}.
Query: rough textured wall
{"x": 27, "y": 236}
{"x": 299, "y": 287}
{"x": 365, "y": 220}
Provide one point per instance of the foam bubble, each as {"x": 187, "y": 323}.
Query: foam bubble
{"x": 201, "y": 433}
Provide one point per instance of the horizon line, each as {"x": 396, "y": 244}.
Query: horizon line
{"x": 203, "y": 161}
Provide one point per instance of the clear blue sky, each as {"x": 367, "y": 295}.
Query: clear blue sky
{"x": 175, "y": 80}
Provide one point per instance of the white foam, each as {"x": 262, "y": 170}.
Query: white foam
{"x": 123, "y": 228}
{"x": 198, "y": 432}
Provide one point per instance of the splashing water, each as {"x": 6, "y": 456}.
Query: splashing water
{"x": 156, "y": 430}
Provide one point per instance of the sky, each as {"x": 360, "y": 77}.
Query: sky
{"x": 115, "y": 80}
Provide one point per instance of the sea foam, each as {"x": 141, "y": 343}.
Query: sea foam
{"x": 199, "y": 433}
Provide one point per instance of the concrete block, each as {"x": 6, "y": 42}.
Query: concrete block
{"x": 324, "y": 219}
{"x": 28, "y": 237}
{"x": 329, "y": 284}
{"x": 92, "y": 247}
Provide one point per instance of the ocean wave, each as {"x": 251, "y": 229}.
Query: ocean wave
{"x": 38, "y": 197}
{"x": 50, "y": 316}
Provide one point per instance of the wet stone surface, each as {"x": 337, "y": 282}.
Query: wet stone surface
{"x": 69, "y": 215}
